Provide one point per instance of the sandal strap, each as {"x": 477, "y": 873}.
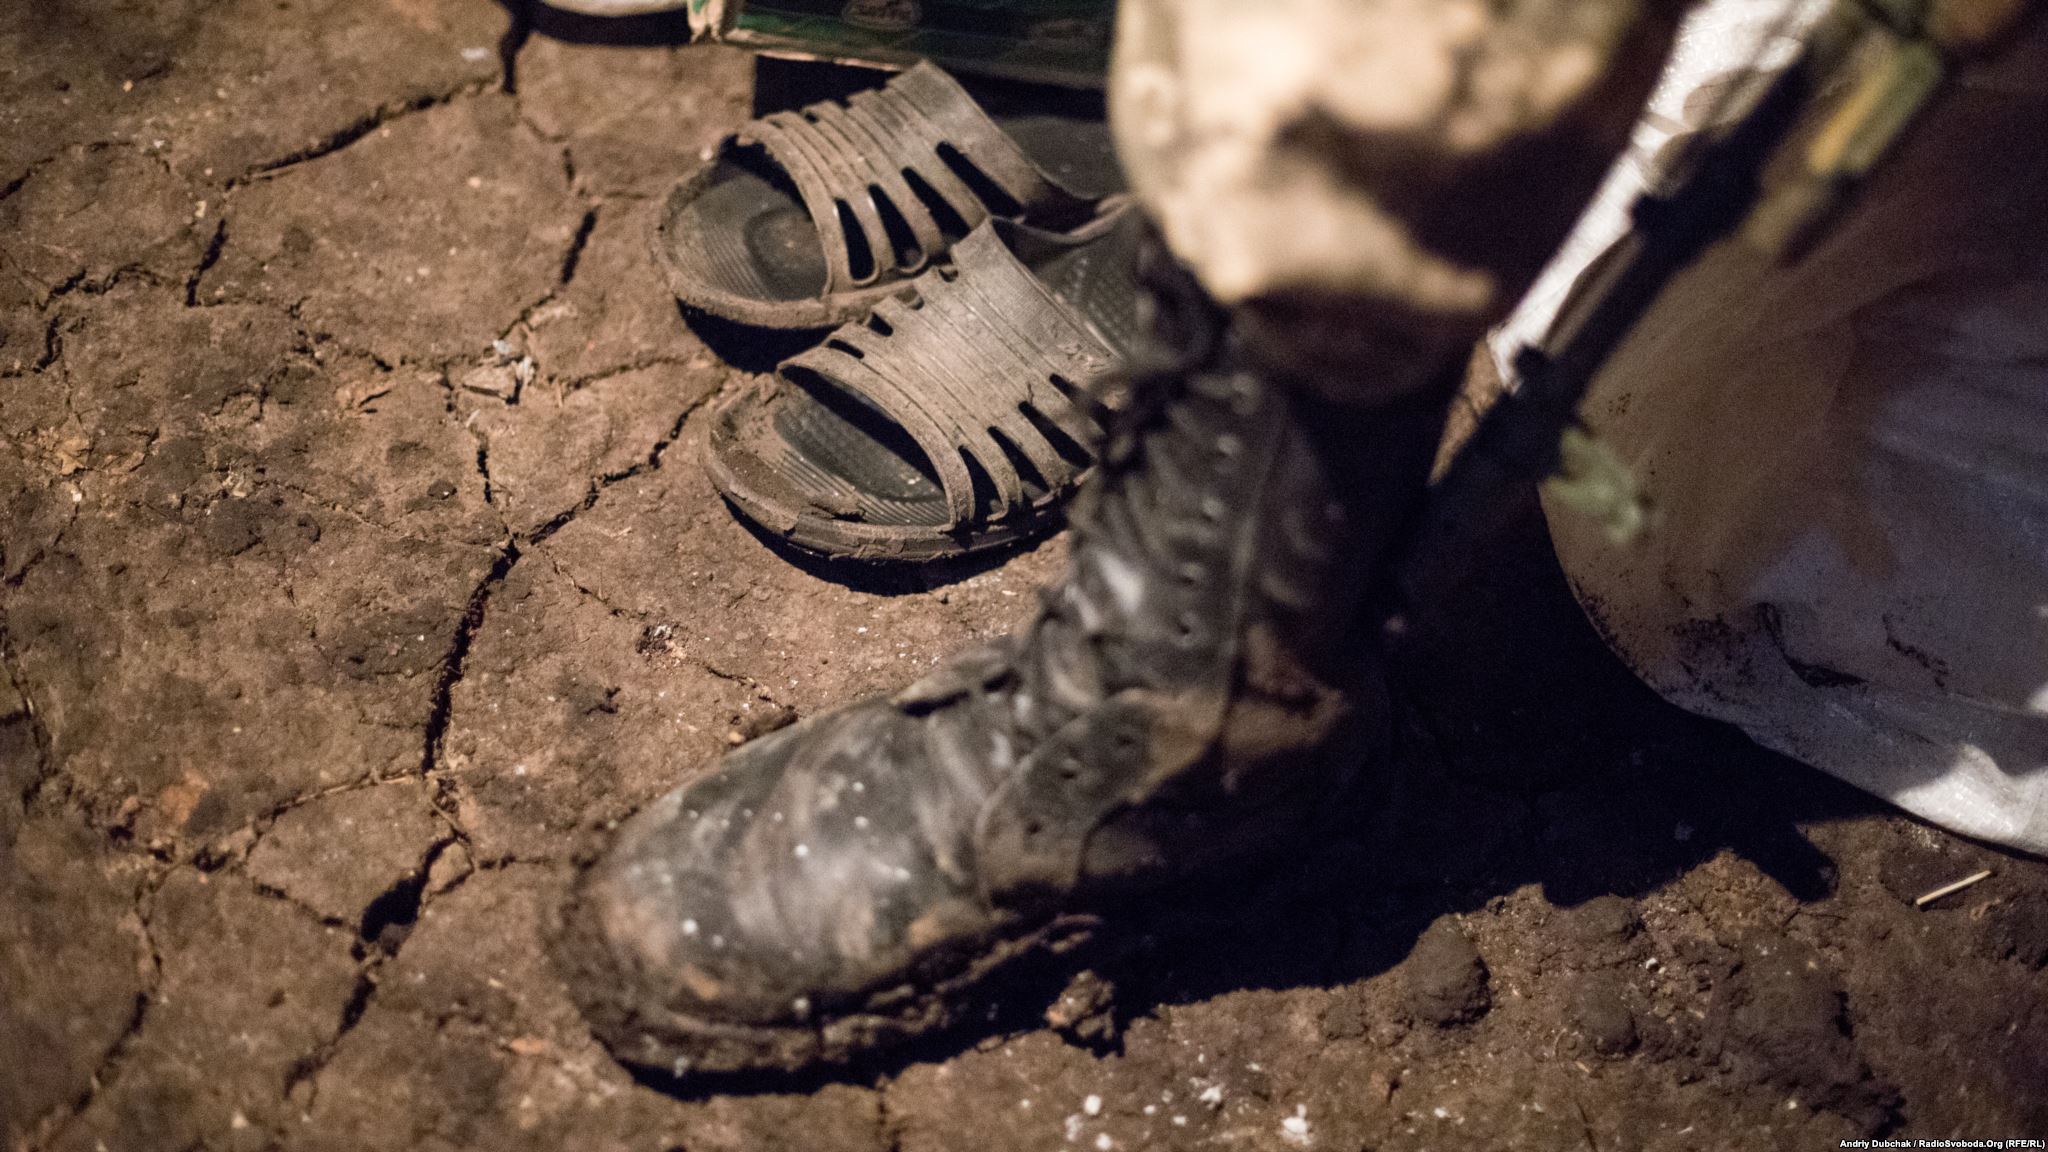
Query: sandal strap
{"x": 968, "y": 363}
{"x": 853, "y": 164}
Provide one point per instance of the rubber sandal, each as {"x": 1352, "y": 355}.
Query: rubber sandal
{"x": 804, "y": 219}
{"x": 959, "y": 416}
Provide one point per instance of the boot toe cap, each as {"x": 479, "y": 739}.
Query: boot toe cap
{"x": 773, "y": 897}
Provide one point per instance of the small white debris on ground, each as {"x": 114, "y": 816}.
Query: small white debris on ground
{"x": 1294, "y": 1129}
{"x": 1092, "y": 1105}
{"x": 1951, "y": 889}
{"x": 1212, "y": 1096}
{"x": 1104, "y": 1143}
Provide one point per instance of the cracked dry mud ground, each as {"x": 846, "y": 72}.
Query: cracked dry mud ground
{"x": 355, "y": 560}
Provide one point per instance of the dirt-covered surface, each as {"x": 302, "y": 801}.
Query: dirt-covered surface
{"x": 355, "y": 559}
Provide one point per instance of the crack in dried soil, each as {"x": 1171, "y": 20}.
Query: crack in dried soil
{"x": 34, "y": 166}
{"x": 39, "y": 734}
{"x": 272, "y": 892}
{"x": 603, "y": 481}
{"x": 384, "y": 114}
{"x": 888, "y": 1129}
{"x": 380, "y": 930}
{"x": 450, "y": 670}
{"x": 441, "y": 708}
{"x": 399, "y": 907}
{"x": 572, "y": 256}
{"x": 569, "y": 384}
{"x": 235, "y": 846}
{"x": 340, "y": 509}
{"x": 15, "y": 185}
{"x": 43, "y": 551}
{"x": 53, "y": 345}
{"x": 483, "y": 464}
{"x": 539, "y": 537}
{"x": 576, "y": 245}
{"x": 108, "y": 1072}
{"x": 83, "y": 283}
{"x": 207, "y": 259}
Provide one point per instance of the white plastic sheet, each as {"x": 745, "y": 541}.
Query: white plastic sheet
{"x": 1850, "y": 459}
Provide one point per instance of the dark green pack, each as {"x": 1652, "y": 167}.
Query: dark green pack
{"x": 1046, "y": 41}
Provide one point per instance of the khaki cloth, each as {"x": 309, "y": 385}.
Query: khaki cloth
{"x": 1382, "y": 178}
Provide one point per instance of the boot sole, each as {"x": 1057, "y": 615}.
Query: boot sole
{"x": 671, "y": 1045}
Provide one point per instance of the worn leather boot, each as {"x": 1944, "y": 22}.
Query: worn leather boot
{"x": 1197, "y": 689}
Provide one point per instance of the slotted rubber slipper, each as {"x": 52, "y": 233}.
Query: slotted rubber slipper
{"x": 804, "y": 219}
{"x": 958, "y": 416}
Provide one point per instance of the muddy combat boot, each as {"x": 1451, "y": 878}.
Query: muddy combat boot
{"x": 1198, "y": 686}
